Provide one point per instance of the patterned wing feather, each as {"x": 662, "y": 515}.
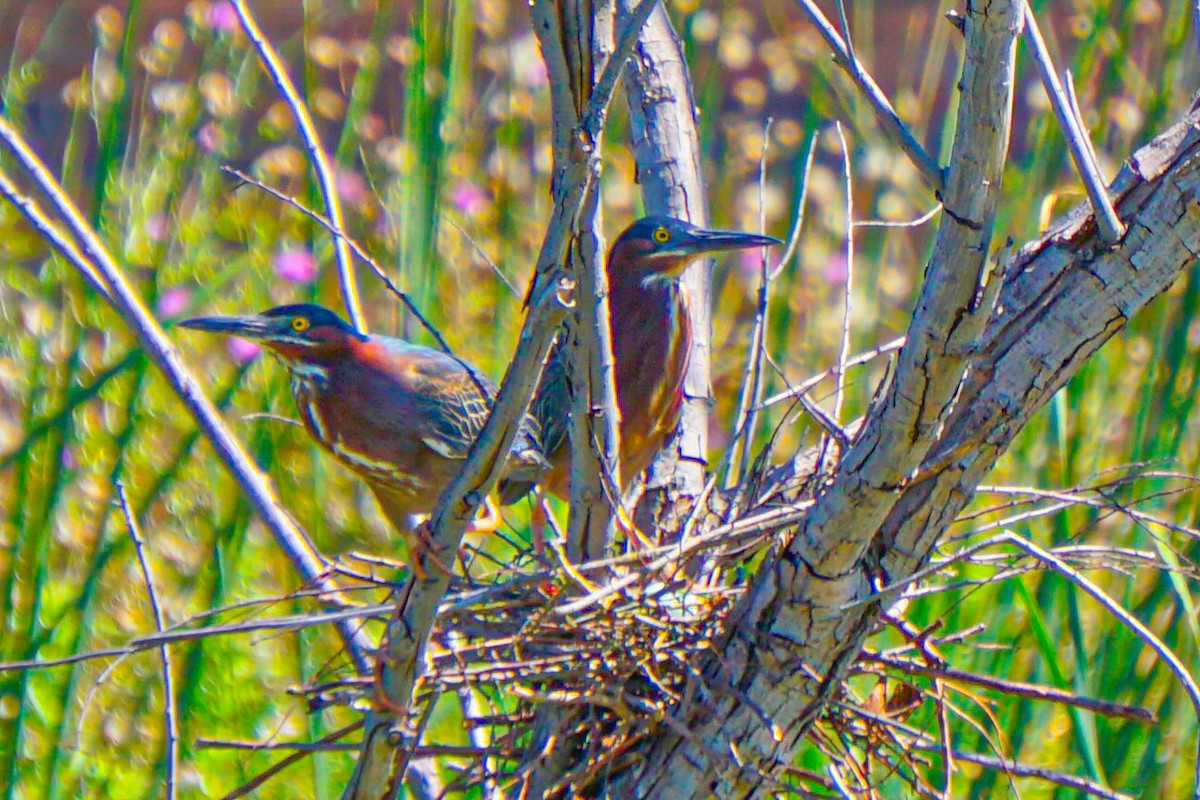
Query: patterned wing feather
{"x": 449, "y": 403}
{"x": 454, "y": 406}
{"x": 550, "y": 411}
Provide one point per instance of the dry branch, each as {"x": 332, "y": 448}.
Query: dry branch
{"x": 128, "y": 303}
{"x": 382, "y": 762}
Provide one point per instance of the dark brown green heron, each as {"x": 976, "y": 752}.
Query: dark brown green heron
{"x": 399, "y": 415}
{"x": 652, "y": 343}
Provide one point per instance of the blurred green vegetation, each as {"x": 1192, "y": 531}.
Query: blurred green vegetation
{"x": 436, "y": 112}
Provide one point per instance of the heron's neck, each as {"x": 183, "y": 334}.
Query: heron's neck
{"x": 649, "y": 292}
{"x": 307, "y": 376}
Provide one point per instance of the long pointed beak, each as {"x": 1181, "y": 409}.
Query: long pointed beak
{"x": 708, "y": 241}
{"x": 249, "y": 327}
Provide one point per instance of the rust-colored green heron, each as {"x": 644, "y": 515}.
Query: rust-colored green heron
{"x": 399, "y": 415}
{"x": 652, "y": 343}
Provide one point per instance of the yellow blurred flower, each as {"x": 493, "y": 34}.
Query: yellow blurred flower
{"x": 326, "y": 51}
{"x": 327, "y": 103}
{"x": 109, "y": 24}
{"x": 285, "y": 161}
{"x": 218, "y": 93}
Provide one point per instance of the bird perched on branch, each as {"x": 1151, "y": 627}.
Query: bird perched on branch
{"x": 400, "y": 416}
{"x": 651, "y": 340}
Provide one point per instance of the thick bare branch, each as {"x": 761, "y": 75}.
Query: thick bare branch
{"x": 1063, "y": 297}
{"x": 792, "y": 615}
{"x": 382, "y": 761}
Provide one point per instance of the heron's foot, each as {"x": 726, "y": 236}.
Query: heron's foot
{"x": 487, "y": 520}
{"x": 637, "y": 538}
{"x": 423, "y": 549}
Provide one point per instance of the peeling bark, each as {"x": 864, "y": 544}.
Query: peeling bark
{"x": 1062, "y": 297}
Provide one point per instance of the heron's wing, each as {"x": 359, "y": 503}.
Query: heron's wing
{"x": 552, "y": 404}
{"x": 550, "y": 421}
{"x": 435, "y": 397}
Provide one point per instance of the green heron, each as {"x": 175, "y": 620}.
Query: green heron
{"x": 399, "y": 415}
{"x": 651, "y": 339}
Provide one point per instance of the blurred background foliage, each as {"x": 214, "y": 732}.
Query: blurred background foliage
{"x": 436, "y": 113}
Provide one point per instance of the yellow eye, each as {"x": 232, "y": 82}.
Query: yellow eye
{"x": 662, "y": 235}
{"x": 300, "y": 324}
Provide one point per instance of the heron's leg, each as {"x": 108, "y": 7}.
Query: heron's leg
{"x": 487, "y": 520}
{"x": 414, "y": 533}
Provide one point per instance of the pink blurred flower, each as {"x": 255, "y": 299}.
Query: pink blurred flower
{"x": 69, "y": 460}
{"x": 536, "y": 76}
{"x": 157, "y": 226}
{"x": 174, "y": 302}
{"x": 209, "y": 138}
{"x": 242, "y": 350}
{"x": 223, "y": 17}
{"x": 296, "y": 264}
{"x": 835, "y": 268}
{"x": 749, "y": 263}
{"x": 351, "y": 186}
{"x": 468, "y": 198}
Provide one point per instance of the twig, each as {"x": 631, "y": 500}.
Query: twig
{"x": 1016, "y": 768}
{"x": 1196, "y": 22}
{"x": 486, "y": 259}
{"x": 170, "y": 636}
{"x": 1111, "y": 228}
{"x": 793, "y": 237}
{"x": 320, "y": 161}
{"x": 912, "y": 223}
{"x": 38, "y": 218}
{"x": 892, "y": 125}
{"x": 408, "y": 633}
{"x": 1012, "y": 767}
{"x": 910, "y": 737}
{"x": 1017, "y": 688}
{"x": 264, "y": 776}
{"x": 1129, "y": 620}
{"x": 848, "y": 288}
{"x": 354, "y": 246}
{"x": 160, "y": 349}
{"x": 809, "y": 384}
{"x": 327, "y": 744}
{"x": 752, "y": 378}
{"x": 164, "y": 652}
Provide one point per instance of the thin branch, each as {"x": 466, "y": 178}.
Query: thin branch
{"x": 1111, "y": 227}
{"x": 809, "y": 384}
{"x": 140, "y": 643}
{"x": 1033, "y": 691}
{"x": 40, "y": 220}
{"x": 752, "y": 377}
{"x": 1182, "y": 674}
{"x": 164, "y": 652}
{"x": 262, "y": 777}
{"x": 320, "y": 161}
{"x": 848, "y": 288}
{"x": 499, "y": 273}
{"x": 1014, "y": 768}
{"x": 912, "y": 223}
{"x": 793, "y": 237}
{"x": 354, "y": 246}
{"x": 160, "y": 349}
{"x": 1196, "y": 22}
{"x": 890, "y": 121}
{"x": 408, "y": 632}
